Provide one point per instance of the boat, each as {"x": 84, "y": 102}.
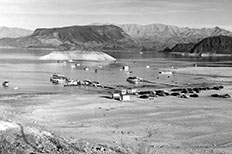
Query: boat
{"x": 86, "y": 82}
{"x": 166, "y": 72}
{"x": 96, "y": 84}
{"x": 72, "y": 83}
{"x": 134, "y": 79}
{"x": 5, "y": 83}
{"x": 58, "y": 78}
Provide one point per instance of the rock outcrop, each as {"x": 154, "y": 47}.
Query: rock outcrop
{"x": 16, "y": 138}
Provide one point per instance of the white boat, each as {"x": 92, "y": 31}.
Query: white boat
{"x": 165, "y": 72}
{"x": 72, "y": 83}
{"x": 134, "y": 79}
{"x": 58, "y": 78}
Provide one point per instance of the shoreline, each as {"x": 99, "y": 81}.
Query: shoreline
{"x": 203, "y": 55}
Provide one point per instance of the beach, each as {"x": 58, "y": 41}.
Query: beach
{"x": 161, "y": 125}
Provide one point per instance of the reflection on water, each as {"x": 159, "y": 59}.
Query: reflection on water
{"x": 175, "y": 57}
{"x": 30, "y": 75}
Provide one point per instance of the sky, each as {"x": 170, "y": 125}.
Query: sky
{"x": 32, "y": 14}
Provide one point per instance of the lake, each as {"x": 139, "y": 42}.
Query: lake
{"x": 28, "y": 74}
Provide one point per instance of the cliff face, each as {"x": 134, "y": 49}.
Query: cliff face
{"x": 14, "y": 32}
{"x": 74, "y": 37}
{"x": 162, "y": 36}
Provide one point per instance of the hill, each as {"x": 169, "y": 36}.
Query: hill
{"x": 183, "y": 47}
{"x": 14, "y": 32}
{"x": 216, "y": 45}
{"x": 159, "y": 36}
{"x": 73, "y": 37}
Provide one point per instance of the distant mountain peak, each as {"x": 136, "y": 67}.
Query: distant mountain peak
{"x": 73, "y": 37}
{"x": 13, "y": 32}
{"x": 161, "y": 35}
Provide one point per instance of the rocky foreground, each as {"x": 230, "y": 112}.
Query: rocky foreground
{"x": 16, "y": 138}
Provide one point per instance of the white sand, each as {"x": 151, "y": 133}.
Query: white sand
{"x": 78, "y": 55}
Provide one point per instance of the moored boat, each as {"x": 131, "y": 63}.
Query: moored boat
{"x": 72, "y": 83}
{"x": 58, "y": 78}
{"x": 134, "y": 79}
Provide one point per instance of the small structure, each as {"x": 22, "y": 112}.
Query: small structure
{"x": 116, "y": 96}
{"x": 123, "y": 92}
{"x": 121, "y": 95}
{"x": 132, "y": 91}
{"x": 125, "y": 97}
{"x": 125, "y": 68}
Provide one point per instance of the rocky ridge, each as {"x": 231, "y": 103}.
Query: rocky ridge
{"x": 158, "y": 36}
{"x": 74, "y": 37}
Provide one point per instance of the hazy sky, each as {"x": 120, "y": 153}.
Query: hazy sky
{"x": 32, "y": 14}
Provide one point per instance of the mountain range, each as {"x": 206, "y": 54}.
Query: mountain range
{"x": 71, "y": 38}
{"x": 153, "y": 37}
{"x": 159, "y": 36}
{"x": 14, "y": 32}
{"x": 210, "y": 45}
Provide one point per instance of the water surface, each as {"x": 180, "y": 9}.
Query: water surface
{"x": 28, "y": 74}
